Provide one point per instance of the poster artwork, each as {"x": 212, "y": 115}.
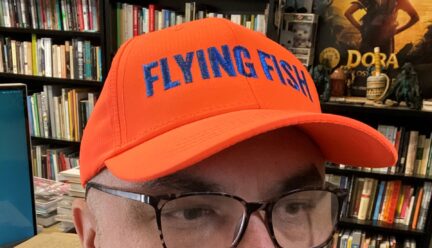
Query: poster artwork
{"x": 349, "y": 31}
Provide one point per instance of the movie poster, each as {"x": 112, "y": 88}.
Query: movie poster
{"x": 349, "y": 31}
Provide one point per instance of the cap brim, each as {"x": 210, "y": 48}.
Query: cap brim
{"x": 341, "y": 140}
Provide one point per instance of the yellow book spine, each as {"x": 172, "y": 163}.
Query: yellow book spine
{"x": 34, "y": 55}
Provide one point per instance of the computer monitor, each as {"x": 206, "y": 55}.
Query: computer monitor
{"x": 17, "y": 210}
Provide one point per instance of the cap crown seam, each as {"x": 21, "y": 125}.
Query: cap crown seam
{"x": 246, "y": 78}
{"x": 121, "y": 120}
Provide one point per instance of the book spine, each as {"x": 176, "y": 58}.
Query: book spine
{"x": 379, "y": 200}
{"x": 412, "y": 149}
{"x": 151, "y": 17}
{"x": 80, "y": 15}
{"x": 85, "y": 14}
{"x": 135, "y": 20}
{"x": 90, "y": 14}
{"x": 364, "y": 199}
{"x": 87, "y": 60}
{"x": 417, "y": 208}
{"x": 424, "y": 206}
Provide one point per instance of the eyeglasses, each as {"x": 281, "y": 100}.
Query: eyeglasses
{"x": 299, "y": 218}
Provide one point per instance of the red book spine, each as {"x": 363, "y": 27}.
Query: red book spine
{"x": 62, "y": 161}
{"x": 48, "y": 165}
{"x": 407, "y": 198}
{"x": 135, "y": 20}
{"x": 151, "y": 17}
{"x": 394, "y": 200}
{"x": 80, "y": 15}
{"x": 44, "y": 23}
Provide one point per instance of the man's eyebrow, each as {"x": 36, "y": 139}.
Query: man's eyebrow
{"x": 305, "y": 178}
{"x": 181, "y": 182}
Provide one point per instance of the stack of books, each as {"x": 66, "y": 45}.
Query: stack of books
{"x": 48, "y": 162}
{"x": 133, "y": 20}
{"x": 48, "y": 193}
{"x": 60, "y": 113}
{"x": 391, "y": 202}
{"x": 356, "y": 238}
{"x": 64, "y": 208}
{"x": 75, "y": 59}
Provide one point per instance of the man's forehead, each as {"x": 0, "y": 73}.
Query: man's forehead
{"x": 183, "y": 181}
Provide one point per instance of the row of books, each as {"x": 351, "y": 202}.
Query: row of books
{"x": 360, "y": 239}
{"x": 133, "y": 20}
{"x": 387, "y": 201}
{"x": 76, "y": 59}
{"x": 60, "y": 113}
{"x": 414, "y": 149}
{"x": 70, "y": 177}
{"x": 66, "y": 15}
{"x": 47, "y": 161}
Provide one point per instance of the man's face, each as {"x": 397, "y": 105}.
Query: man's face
{"x": 256, "y": 170}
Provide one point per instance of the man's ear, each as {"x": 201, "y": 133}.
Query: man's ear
{"x": 85, "y": 223}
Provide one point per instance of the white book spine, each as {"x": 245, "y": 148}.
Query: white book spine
{"x": 26, "y": 58}
{"x": 33, "y": 105}
{"x": 24, "y": 14}
{"x": 85, "y": 14}
{"x": 71, "y": 62}
{"x": 14, "y": 57}
{"x": 48, "y": 57}
{"x": 80, "y": 59}
{"x": 6, "y": 14}
{"x": 39, "y": 160}
{"x": 59, "y": 62}
{"x": 33, "y": 14}
{"x": 66, "y": 115}
{"x": 146, "y": 20}
{"x": 57, "y": 117}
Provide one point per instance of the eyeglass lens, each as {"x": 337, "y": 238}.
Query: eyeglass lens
{"x": 302, "y": 219}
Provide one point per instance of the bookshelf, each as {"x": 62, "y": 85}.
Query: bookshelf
{"x": 59, "y": 142}
{"x": 398, "y": 117}
{"x": 225, "y": 7}
{"x": 62, "y": 23}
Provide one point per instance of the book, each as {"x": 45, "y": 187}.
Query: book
{"x": 365, "y": 199}
{"x": 411, "y": 155}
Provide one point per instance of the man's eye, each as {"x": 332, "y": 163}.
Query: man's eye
{"x": 195, "y": 213}
{"x": 190, "y": 214}
{"x": 296, "y": 207}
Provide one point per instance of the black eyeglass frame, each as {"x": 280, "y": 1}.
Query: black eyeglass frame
{"x": 158, "y": 202}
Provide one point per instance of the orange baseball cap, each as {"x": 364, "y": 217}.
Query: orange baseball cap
{"x": 177, "y": 96}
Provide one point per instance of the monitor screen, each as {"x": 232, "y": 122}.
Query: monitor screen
{"x": 17, "y": 214}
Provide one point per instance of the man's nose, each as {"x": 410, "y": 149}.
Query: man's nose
{"x": 256, "y": 234}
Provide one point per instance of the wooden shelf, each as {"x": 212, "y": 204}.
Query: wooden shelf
{"x": 18, "y": 78}
{"x": 397, "y": 116}
{"x": 42, "y": 140}
{"x": 51, "y": 33}
{"x": 379, "y": 227}
{"x": 414, "y": 179}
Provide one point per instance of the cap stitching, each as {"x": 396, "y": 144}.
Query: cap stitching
{"x": 246, "y": 78}
{"x": 116, "y": 100}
